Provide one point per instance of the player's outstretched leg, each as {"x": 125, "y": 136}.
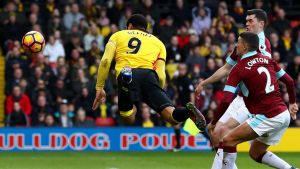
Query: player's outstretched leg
{"x": 180, "y": 114}
{"x": 196, "y": 116}
{"x": 125, "y": 100}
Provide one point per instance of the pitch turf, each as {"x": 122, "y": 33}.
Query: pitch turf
{"x": 124, "y": 160}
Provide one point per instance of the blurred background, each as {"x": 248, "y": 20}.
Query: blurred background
{"x": 56, "y": 88}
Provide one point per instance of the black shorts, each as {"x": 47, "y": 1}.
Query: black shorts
{"x": 145, "y": 88}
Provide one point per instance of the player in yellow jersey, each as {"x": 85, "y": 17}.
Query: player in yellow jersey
{"x": 140, "y": 65}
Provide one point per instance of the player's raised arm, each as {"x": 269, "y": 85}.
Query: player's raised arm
{"x": 218, "y": 75}
{"x": 289, "y": 82}
{"x": 103, "y": 71}
{"x": 160, "y": 66}
{"x": 160, "y": 70}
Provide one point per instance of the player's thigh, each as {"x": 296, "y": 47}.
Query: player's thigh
{"x": 154, "y": 95}
{"x": 232, "y": 110}
{"x": 270, "y": 130}
{"x": 238, "y": 135}
{"x": 228, "y": 126}
{"x": 241, "y": 113}
{"x": 279, "y": 124}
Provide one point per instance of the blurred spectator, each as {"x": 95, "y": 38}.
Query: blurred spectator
{"x": 91, "y": 10}
{"x": 64, "y": 74}
{"x": 287, "y": 39}
{"x": 80, "y": 81}
{"x": 173, "y": 52}
{"x": 33, "y": 20}
{"x": 193, "y": 42}
{"x": 196, "y": 9}
{"x": 294, "y": 67}
{"x": 238, "y": 13}
{"x": 202, "y": 21}
{"x": 40, "y": 109}
{"x": 74, "y": 43}
{"x": 116, "y": 11}
{"x": 93, "y": 53}
{"x": 180, "y": 13}
{"x": 50, "y": 121}
{"x": 19, "y": 97}
{"x": 148, "y": 7}
{"x": 93, "y": 35}
{"x": 82, "y": 121}
{"x": 13, "y": 31}
{"x": 61, "y": 91}
{"x": 103, "y": 23}
{"x": 40, "y": 89}
{"x": 206, "y": 96}
{"x": 63, "y": 116}
{"x": 72, "y": 16}
{"x": 54, "y": 49}
{"x": 17, "y": 118}
{"x": 183, "y": 36}
{"x": 195, "y": 59}
{"x": 166, "y": 31}
{"x": 277, "y": 45}
{"x": 84, "y": 101}
{"x": 184, "y": 86}
{"x": 281, "y": 23}
{"x": 16, "y": 79}
{"x": 146, "y": 116}
{"x": 124, "y": 18}
{"x": 37, "y": 75}
{"x": 54, "y": 24}
{"x": 210, "y": 69}
{"x": 41, "y": 61}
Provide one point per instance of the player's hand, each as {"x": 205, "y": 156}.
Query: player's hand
{"x": 199, "y": 88}
{"x": 293, "y": 108}
{"x": 210, "y": 128}
{"x": 100, "y": 95}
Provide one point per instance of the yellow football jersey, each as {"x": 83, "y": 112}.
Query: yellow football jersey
{"x": 137, "y": 49}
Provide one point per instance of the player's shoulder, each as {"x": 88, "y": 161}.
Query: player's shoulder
{"x": 118, "y": 33}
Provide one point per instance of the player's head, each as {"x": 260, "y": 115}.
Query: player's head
{"x": 256, "y": 20}
{"x": 137, "y": 21}
{"x": 247, "y": 42}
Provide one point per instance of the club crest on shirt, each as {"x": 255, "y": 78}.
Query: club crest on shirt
{"x": 262, "y": 47}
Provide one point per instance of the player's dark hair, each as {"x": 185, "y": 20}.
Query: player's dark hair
{"x": 260, "y": 14}
{"x": 251, "y": 39}
{"x": 138, "y": 21}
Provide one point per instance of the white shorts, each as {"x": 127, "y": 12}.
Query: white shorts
{"x": 270, "y": 130}
{"x": 236, "y": 110}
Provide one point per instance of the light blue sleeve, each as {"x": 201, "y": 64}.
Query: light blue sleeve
{"x": 230, "y": 61}
{"x": 280, "y": 73}
{"x": 231, "y": 89}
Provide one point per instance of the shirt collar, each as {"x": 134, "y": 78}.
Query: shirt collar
{"x": 249, "y": 54}
{"x": 261, "y": 37}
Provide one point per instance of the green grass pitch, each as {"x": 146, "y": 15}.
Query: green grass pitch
{"x": 124, "y": 160}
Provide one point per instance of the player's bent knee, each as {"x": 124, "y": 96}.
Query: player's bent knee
{"x": 224, "y": 129}
{"x": 228, "y": 141}
{"x": 166, "y": 114}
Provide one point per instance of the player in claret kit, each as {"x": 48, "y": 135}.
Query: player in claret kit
{"x": 270, "y": 116}
{"x": 255, "y": 22}
{"x": 140, "y": 67}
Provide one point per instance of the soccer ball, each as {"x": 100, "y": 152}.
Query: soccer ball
{"x": 33, "y": 41}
